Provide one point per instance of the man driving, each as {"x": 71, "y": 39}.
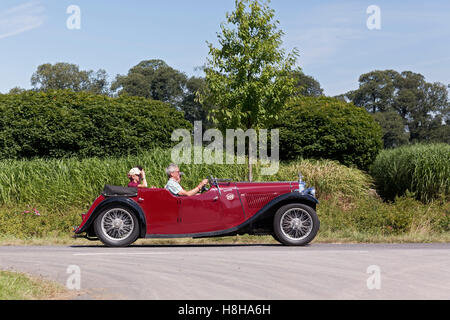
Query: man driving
{"x": 173, "y": 185}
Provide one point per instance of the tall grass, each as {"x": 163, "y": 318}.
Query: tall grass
{"x": 329, "y": 177}
{"x": 423, "y": 170}
{"x": 73, "y": 182}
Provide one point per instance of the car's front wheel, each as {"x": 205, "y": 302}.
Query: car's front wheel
{"x": 117, "y": 226}
{"x": 295, "y": 224}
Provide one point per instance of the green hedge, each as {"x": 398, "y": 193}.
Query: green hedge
{"x": 65, "y": 123}
{"x": 327, "y": 128}
{"x": 422, "y": 169}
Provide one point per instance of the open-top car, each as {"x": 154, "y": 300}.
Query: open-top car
{"x": 286, "y": 210}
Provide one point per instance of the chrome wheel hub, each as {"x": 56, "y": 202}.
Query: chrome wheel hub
{"x": 117, "y": 224}
{"x": 296, "y": 224}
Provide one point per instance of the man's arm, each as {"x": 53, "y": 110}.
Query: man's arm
{"x": 193, "y": 191}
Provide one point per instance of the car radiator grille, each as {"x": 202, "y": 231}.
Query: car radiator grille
{"x": 259, "y": 200}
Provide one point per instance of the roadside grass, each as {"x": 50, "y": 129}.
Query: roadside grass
{"x": 336, "y": 237}
{"x": 343, "y": 220}
{"x": 20, "y": 286}
{"x": 41, "y": 200}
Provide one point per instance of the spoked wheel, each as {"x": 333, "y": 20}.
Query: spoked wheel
{"x": 117, "y": 227}
{"x": 296, "y": 224}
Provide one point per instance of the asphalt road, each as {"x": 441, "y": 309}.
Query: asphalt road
{"x": 242, "y": 272}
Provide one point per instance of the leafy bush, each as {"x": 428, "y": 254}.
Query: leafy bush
{"x": 65, "y": 123}
{"x": 423, "y": 169}
{"x": 327, "y": 128}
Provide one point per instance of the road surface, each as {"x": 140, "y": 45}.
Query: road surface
{"x": 242, "y": 272}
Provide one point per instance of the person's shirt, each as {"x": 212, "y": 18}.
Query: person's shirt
{"x": 133, "y": 184}
{"x": 173, "y": 186}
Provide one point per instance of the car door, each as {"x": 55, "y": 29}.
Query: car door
{"x": 201, "y": 213}
{"x": 233, "y": 213}
{"x": 161, "y": 211}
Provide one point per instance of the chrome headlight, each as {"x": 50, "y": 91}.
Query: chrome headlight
{"x": 311, "y": 191}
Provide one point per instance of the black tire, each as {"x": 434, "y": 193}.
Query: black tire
{"x": 119, "y": 232}
{"x": 295, "y": 224}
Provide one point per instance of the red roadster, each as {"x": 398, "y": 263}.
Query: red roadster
{"x": 286, "y": 210}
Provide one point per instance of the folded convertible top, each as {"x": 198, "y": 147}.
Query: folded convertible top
{"x": 115, "y": 191}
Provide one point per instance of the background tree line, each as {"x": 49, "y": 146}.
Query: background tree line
{"x": 152, "y": 79}
{"x": 408, "y": 108}
{"x": 251, "y": 83}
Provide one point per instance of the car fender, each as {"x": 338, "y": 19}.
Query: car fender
{"x": 127, "y": 202}
{"x": 291, "y": 198}
{"x": 270, "y": 208}
{"x": 266, "y": 212}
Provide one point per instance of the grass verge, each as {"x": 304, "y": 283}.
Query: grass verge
{"x": 38, "y": 205}
{"x": 20, "y": 286}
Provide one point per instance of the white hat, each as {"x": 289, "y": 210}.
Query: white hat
{"x": 134, "y": 171}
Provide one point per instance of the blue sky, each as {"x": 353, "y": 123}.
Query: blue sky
{"x": 335, "y": 45}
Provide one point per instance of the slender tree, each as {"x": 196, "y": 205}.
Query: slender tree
{"x": 249, "y": 76}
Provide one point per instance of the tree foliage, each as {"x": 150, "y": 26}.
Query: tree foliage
{"x": 423, "y": 107}
{"x": 152, "y": 79}
{"x": 326, "y": 128}
{"x": 308, "y": 86}
{"x": 190, "y": 105}
{"x": 61, "y": 76}
{"x": 248, "y": 77}
{"x": 392, "y": 124}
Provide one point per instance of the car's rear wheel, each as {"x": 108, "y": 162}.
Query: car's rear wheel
{"x": 117, "y": 226}
{"x": 295, "y": 224}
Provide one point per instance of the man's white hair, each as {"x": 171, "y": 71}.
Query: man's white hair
{"x": 171, "y": 168}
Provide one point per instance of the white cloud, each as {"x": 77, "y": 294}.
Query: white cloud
{"x": 22, "y": 18}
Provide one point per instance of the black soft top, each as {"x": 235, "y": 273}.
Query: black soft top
{"x": 115, "y": 191}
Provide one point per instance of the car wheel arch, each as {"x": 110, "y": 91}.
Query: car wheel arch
{"x": 118, "y": 201}
{"x": 266, "y": 215}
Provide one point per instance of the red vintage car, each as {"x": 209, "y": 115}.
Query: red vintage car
{"x": 286, "y": 210}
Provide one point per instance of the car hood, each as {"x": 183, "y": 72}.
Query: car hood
{"x": 267, "y": 187}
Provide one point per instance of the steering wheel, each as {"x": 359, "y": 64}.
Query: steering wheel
{"x": 204, "y": 189}
{"x": 210, "y": 181}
